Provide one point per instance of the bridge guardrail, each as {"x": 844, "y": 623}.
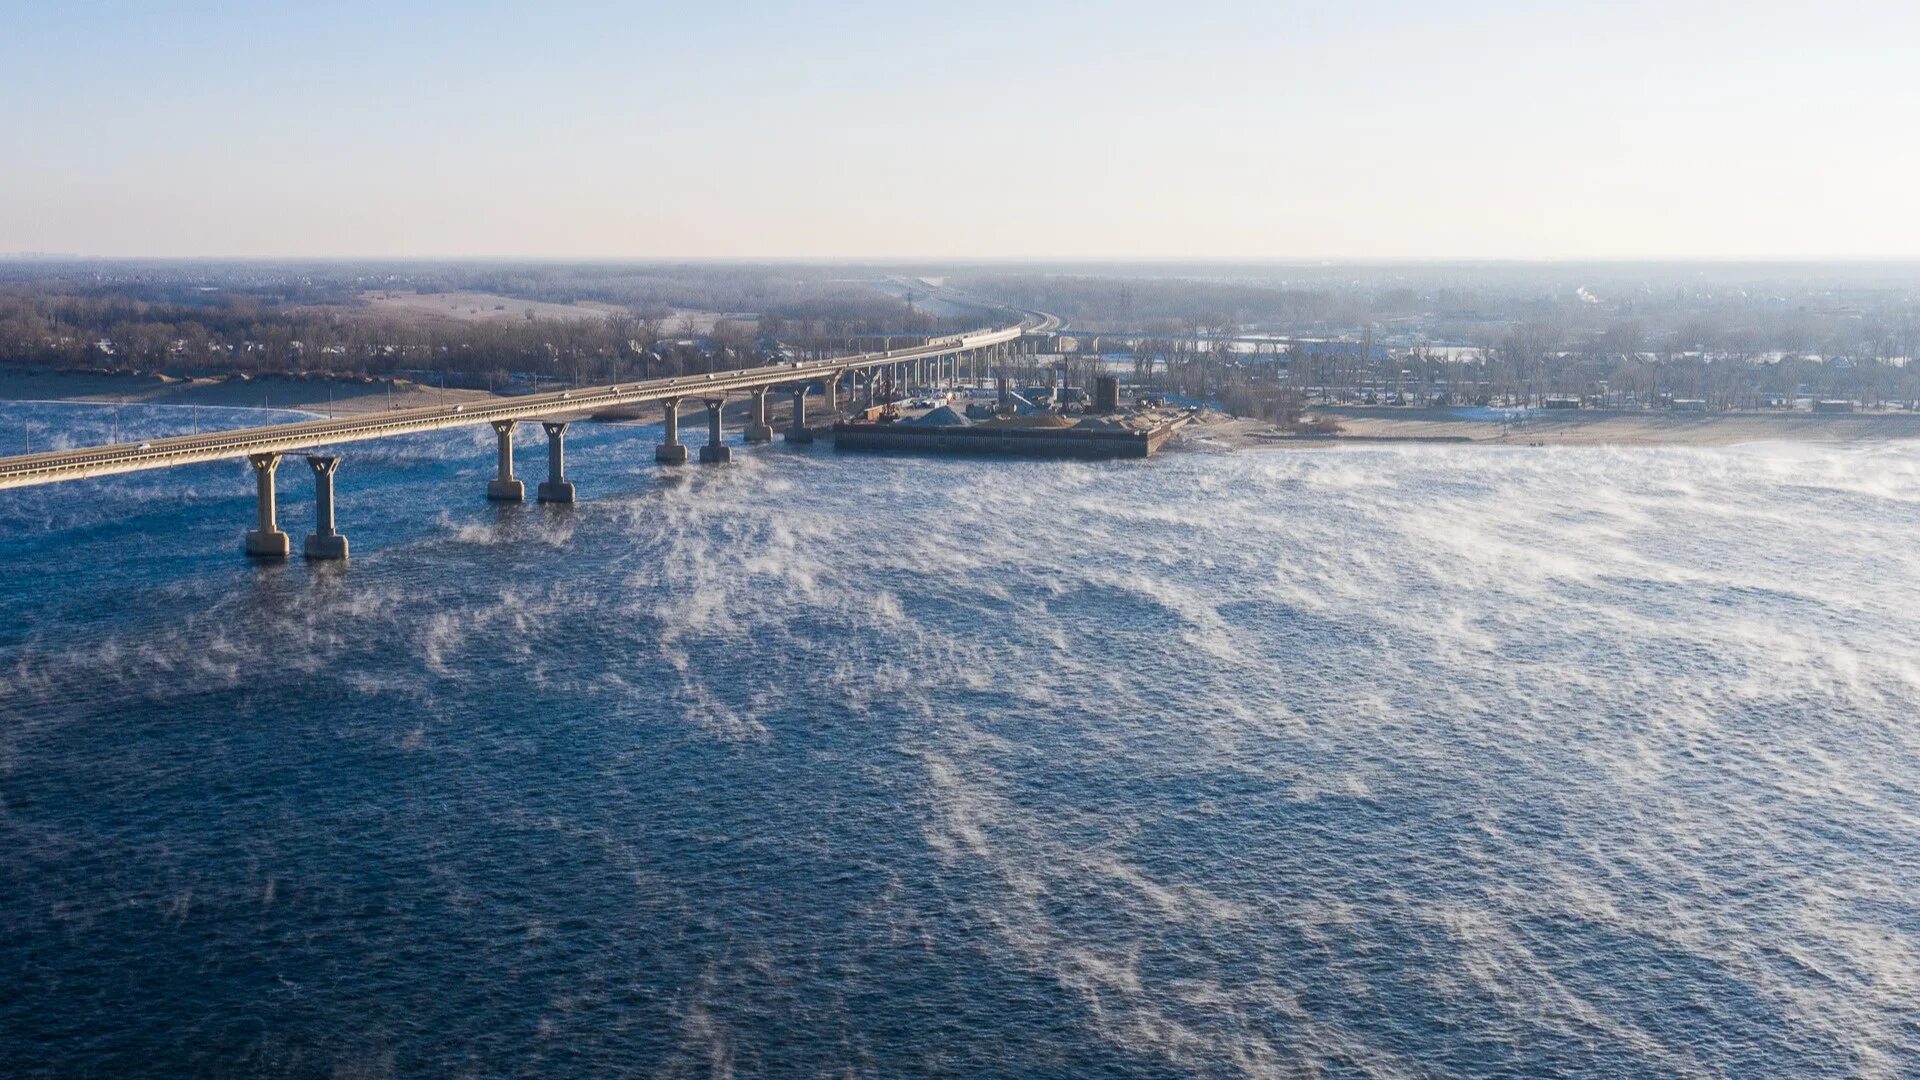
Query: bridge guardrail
{"x": 56, "y": 466}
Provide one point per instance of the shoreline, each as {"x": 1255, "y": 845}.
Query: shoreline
{"x": 1540, "y": 428}
{"x": 1376, "y": 425}
{"x": 343, "y": 397}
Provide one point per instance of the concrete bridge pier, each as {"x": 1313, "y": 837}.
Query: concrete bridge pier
{"x": 715, "y": 452}
{"x": 671, "y": 452}
{"x": 798, "y": 431}
{"x": 873, "y": 377}
{"x": 504, "y": 488}
{"x": 325, "y": 541}
{"x": 555, "y": 488}
{"x": 833, "y": 396}
{"x": 265, "y": 540}
{"x": 758, "y": 430}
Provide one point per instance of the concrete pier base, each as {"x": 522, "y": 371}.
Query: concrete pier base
{"x": 268, "y": 545}
{"x": 758, "y": 430}
{"x": 798, "y": 431}
{"x": 326, "y": 547}
{"x": 556, "y": 488}
{"x": 671, "y": 452}
{"x": 505, "y": 487}
{"x": 715, "y": 452}
{"x": 265, "y": 540}
{"x": 325, "y": 541}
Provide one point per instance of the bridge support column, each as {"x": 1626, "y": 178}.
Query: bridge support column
{"x": 504, "y": 488}
{"x": 324, "y": 542}
{"x": 758, "y": 430}
{"x": 833, "y": 396}
{"x": 798, "y": 431}
{"x": 715, "y": 452}
{"x": 670, "y": 452}
{"x": 873, "y": 376}
{"x": 555, "y": 488}
{"x": 265, "y": 540}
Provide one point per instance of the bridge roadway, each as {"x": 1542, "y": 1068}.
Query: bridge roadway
{"x": 77, "y": 464}
{"x": 263, "y": 446}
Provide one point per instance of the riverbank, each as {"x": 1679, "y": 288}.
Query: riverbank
{"x": 1572, "y": 427}
{"x": 1537, "y": 427}
{"x": 344, "y": 397}
{"x": 335, "y": 397}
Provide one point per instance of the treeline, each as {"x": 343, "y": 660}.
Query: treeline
{"x": 1622, "y": 335}
{"x": 721, "y": 287}
{"x": 174, "y": 323}
{"x": 1867, "y": 312}
{"x": 1528, "y": 367}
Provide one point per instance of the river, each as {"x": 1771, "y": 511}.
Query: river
{"x": 1379, "y": 761}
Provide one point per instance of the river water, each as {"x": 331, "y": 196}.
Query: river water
{"x": 1386, "y": 761}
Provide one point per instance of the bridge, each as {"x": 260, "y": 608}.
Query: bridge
{"x": 941, "y": 361}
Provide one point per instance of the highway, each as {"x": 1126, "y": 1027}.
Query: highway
{"x": 53, "y": 467}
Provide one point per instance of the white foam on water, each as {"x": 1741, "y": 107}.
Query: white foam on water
{"x": 1661, "y": 700}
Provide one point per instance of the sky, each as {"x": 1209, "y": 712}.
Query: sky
{"x": 1198, "y": 129}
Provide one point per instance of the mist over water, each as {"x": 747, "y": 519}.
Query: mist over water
{"x": 1358, "y": 762}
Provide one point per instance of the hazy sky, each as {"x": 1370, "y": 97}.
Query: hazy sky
{"x": 1175, "y": 129}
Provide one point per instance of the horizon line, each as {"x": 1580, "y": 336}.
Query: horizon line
{"x": 1273, "y": 260}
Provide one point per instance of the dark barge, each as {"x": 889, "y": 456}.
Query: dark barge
{"x": 1086, "y": 440}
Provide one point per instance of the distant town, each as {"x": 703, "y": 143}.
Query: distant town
{"x": 1266, "y": 341}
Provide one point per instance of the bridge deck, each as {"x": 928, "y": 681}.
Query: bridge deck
{"x": 53, "y": 467}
